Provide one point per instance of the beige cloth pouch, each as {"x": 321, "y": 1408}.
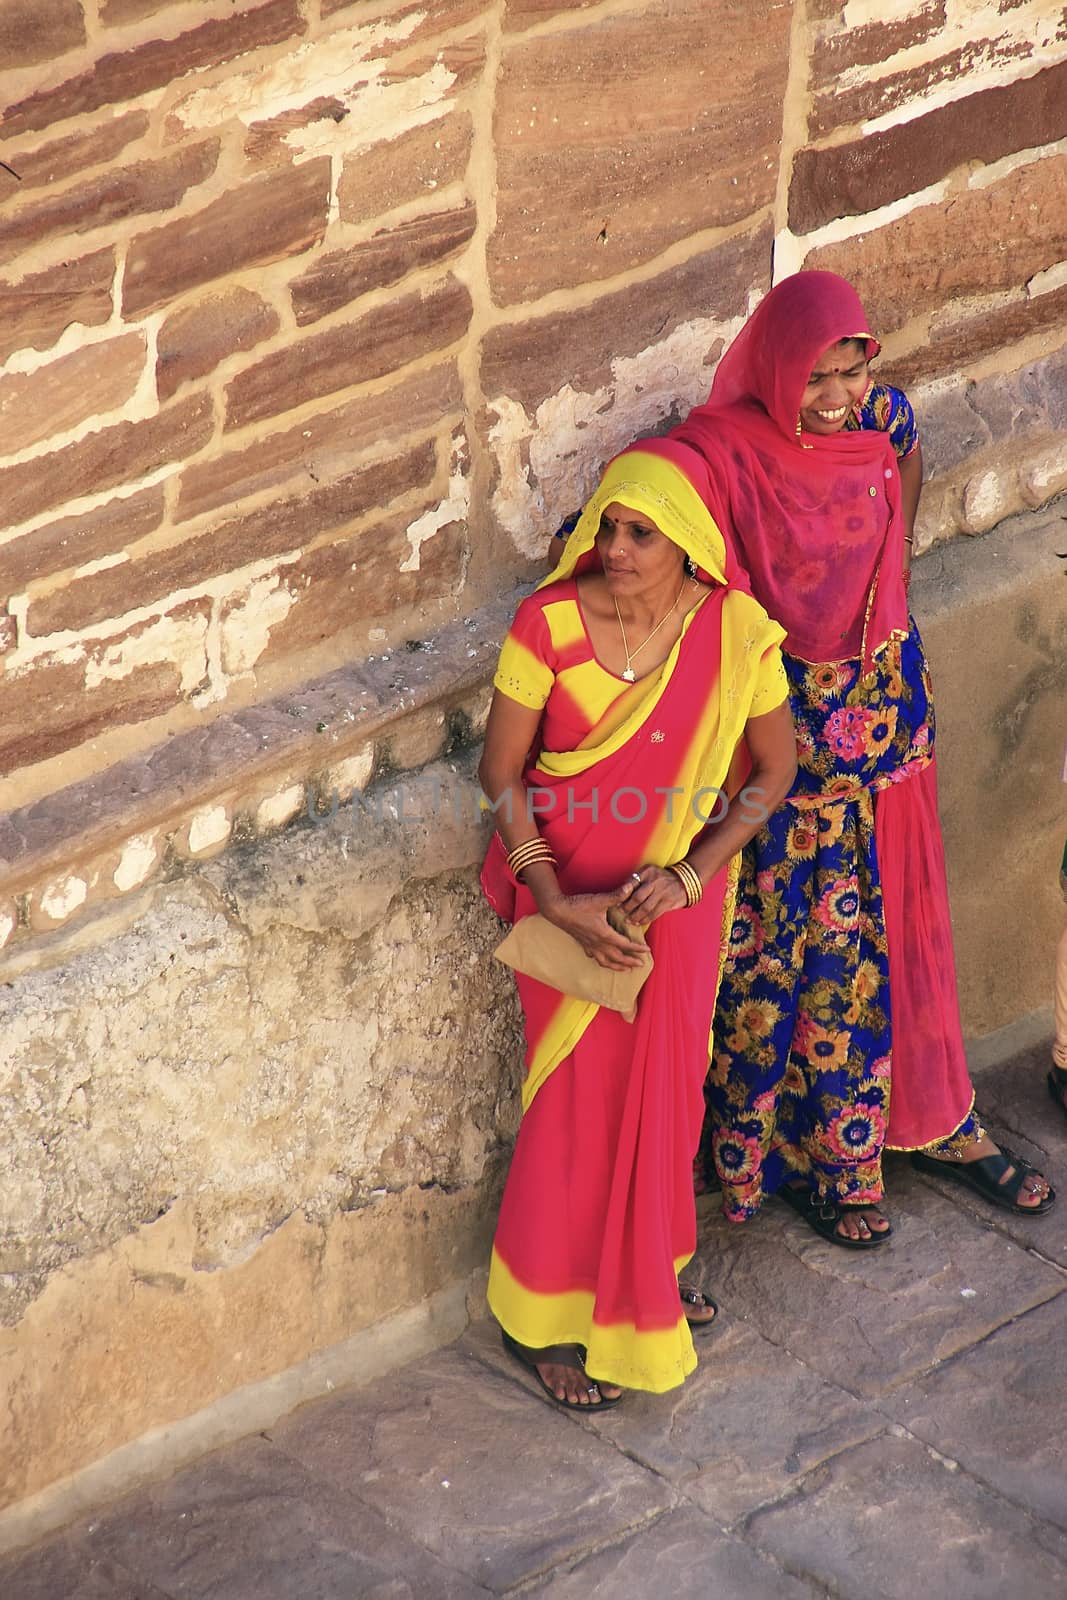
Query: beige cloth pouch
{"x": 538, "y": 949}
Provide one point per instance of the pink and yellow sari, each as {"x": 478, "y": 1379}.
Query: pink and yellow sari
{"x": 598, "y": 1214}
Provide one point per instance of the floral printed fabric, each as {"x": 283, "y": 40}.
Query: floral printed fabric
{"x": 800, "y": 1074}
{"x": 887, "y": 410}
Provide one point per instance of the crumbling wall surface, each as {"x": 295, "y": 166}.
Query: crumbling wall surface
{"x": 267, "y": 1114}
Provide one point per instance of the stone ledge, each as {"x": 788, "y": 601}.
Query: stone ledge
{"x": 244, "y": 774}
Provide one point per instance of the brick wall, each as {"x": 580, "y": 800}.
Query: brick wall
{"x": 317, "y": 314}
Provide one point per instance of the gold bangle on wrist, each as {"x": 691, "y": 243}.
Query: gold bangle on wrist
{"x": 689, "y": 878}
{"x": 526, "y": 854}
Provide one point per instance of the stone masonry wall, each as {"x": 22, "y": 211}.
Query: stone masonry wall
{"x": 315, "y": 317}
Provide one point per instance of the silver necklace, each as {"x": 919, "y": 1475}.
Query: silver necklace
{"x": 631, "y": 655}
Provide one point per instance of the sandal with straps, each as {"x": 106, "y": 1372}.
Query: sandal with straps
{"x": 1056, "y": 1078}
{"x": 984, "y": 1175}
{"x": 567, "y": 1355}
{"x": 823, "y": 1213}
{"x": 696, "y": 1297}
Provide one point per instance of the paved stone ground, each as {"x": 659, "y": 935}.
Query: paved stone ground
{"x": 888, "y": 1426}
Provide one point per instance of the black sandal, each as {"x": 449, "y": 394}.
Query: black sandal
{"x": 984, "y": 1175}
{"x": 697, "y": 1297}
{"x": 568, "y": 1355}
{"x": 823, "y": 1213}
{"x": 1056, "y": 1078}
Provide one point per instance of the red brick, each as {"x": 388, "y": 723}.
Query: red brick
{"x": 1019, "y": 224}
{"x": 334, "y": 280}
{"x": 877, "y": 97}
{"x": 194, "y": 340}
{"x": 61, "y": 158}
{"x": 277, "y": 215}
{"x": 108, "y": 197}
{"x": 46, "y": 709}
{"x": 404, "y": 168}
{"x": 39, "y": 30}
{"x": 852, "y": 179}
{"x": 126, "y": 74}
{"x": 91, "y": 381}
{"x": 323, "y": 447}
{"x": 265, "y": 142}
{"x": 643, "y": 142}
{"x": 874, "y": 42}
{"x": 381, "y": 341}
{"x": 345, "y": 588}
{"x": 531, "y": 360}
{"x": 115, "y": 455}
{"x": 73, "y": 541}
{"x": 35, "y": 310}
{"x": 282, "y": 526}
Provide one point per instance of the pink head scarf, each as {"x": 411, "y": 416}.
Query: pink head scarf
{"x": 815, "y": 520}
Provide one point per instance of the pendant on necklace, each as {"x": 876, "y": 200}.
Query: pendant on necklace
{"x": 630, "y": 675}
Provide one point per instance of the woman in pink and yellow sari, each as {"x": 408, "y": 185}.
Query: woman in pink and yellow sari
{"x": 637, "y": 690}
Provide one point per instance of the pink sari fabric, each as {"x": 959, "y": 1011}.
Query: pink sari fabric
{"x": 817, "y": 527}
{"x": 816, "y": 521}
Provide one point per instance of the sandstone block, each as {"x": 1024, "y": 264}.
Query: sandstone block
{"x": 404, "y": 168}
{"x": 987, "y": 499}
{"x": 61, "y": 158}
{"x": 89, "y": 382}
{"x": 35, "y": 310}
{"x": 343, "y": 275}
{"x": 344, "y": 588}
{"x": 284, "y": 525}
{"x": 961, "y": 336}
{"x": 1044, "y": 474}
{"x": 267, "y": 143}
{"x": 326, "y": 445}
{"x": 377, "y": 343}
{"x": 195, "y": 339}
{"x": 8, "y": 632}
{"x": 532, "y": 361}
{"x": 905, "y": 269}
{"x": 880, "y": 96}
{"x": 47, "y": 708}
{"x": 648, "y": 144}
{"x": 115, "y": 455}
{"x": 108, "y": 197}
{"x": 113, "y": 13}
{"x": 73, "y": 541}
{"x": 39, "y": 30}
{"x": 524, "y": 13}
{"x": 851, "y": 179}
{"x": 413, "y": 18}
{"x": 123, "y": 75}
{"x": 951, "y": 430}
{"x": 270, "y": 217}
{"x": 866, "y": 44}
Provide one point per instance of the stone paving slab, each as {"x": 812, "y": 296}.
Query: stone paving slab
{"x": 891, "y": 1521}
{"x": 740, "y": 1430}
{"x": 251, "y": 1523}
{"x": 680, "y": 1554}
{"x": 495, "y": 1481}
{"x": 871, "y": 1320}
{"x": 70, "y": 1569}
{"x": 1001, "y": 1411}
{"x": 1016, "y": 1107}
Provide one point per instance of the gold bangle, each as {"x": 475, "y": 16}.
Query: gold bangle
{"x": 526, "y": 854}
{"x": 690, "y": 880}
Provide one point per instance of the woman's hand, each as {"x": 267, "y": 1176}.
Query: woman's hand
{"x": 585, "y": 918}
{"x": 658, "y": 891}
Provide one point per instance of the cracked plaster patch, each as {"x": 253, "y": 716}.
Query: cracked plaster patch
{"x": 454, "y": 508}
{"x": 548, "y": 466}
{"x": 246, "y": 630}
{"x": 208, "y": 827}
{"x": 139, "y": 856}
{"x": 63, "y": 897}
{"x": 172, "y": 642}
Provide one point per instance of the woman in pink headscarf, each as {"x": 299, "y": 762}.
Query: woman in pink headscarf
{"x": 837, "y": 1032}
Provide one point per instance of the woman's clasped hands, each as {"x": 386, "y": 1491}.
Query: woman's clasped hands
{"x": 645, "y": 895}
